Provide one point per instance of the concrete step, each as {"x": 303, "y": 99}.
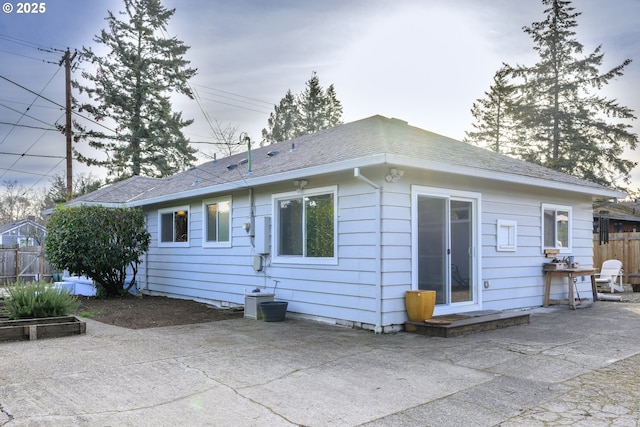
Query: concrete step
{"x": 456, "y": 325}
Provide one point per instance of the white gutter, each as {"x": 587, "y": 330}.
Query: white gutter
{"x": 378, "y": 243}
{"x": 373, "y": 160}
{"x": 510, "y": 177}
{"x": 248, "y": 181}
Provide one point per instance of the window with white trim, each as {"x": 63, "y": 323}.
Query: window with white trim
{"x": 173, "y": 226}
{"x": 556, "y": 227}
{"x": 216, "y": 221}
{"x": 306, "y": 226}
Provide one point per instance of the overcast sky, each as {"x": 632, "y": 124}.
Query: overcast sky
{"x": 423, "y": 61}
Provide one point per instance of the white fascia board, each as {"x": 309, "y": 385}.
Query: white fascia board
{"x": 249, "y": 182}
{"x": 501, "y": 176}
{"x": 9, "y": 230}
{"x": 88, "y": 203}
{"x": 49, "y": 211}
{"x": 373, "y": 160}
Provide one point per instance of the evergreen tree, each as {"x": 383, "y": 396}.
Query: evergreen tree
{"x": 57, "y": 193}
{"x": 334, "y": 108}
{"x": 283, "y": 121}
{"x": 313, "y": 110}
{"x": 494, "y": 128}
{"x": 313, "y": 107}
{"x": 564, "y": 118}
{"x": 132, "y": 85}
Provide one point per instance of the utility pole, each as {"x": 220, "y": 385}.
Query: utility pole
{"x": 67, "y": 59}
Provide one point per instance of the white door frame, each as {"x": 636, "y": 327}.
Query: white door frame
{"x": 476, "y": 248}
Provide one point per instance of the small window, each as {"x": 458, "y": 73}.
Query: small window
{"x": 216, "y": 222}
{"x": 507, "y": 233}
{"x": 305, "y": 226}
{"x": 174, "y": 226}
{"x": 556, "y": 227}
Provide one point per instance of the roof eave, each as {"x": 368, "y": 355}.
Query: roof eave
{"x": 372, "y": 160}
{"x": 249, "y": 182}
{"x": 503, "y": 176}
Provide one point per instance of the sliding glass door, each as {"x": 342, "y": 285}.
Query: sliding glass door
{"x": 445, "y": 239}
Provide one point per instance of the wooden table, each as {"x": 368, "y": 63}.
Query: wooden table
{"x": 569, "y": 273}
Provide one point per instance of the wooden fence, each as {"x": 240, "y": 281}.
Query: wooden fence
{"x": 624, "y": 247}
{"x": 26, "y": 263}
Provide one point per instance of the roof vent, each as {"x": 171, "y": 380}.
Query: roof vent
{"x": 293, "y": 147}
{"x": 273, "y": 153}
{"x": 232, "y": 167}
{"x": 243, "y": 161}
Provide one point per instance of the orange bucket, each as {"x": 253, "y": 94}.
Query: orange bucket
{"x": 420, "y": 305}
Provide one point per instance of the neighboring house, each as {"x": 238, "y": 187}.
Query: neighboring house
{"x": 616, "y": 217}
{"x": 25, "y": 232}
{"x": 347, "y": 220}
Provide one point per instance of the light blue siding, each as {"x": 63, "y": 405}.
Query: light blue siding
{"x": 349, "y": 292}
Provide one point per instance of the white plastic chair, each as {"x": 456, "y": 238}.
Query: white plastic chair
{"x": 610, "y": 271}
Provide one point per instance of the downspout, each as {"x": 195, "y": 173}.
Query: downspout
{"x": 378, "y": 243}
{"x": 145, "y": 262}
{"x": 252, "y": 218}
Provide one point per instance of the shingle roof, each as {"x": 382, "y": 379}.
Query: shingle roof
{"x": 629, "y": 211}
{"x": 373, "y": 136}
{"x": 122, "y": 191}
{"x": 15, "y": 224}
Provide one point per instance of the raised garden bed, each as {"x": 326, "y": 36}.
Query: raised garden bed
{"x": 46, "y": 327}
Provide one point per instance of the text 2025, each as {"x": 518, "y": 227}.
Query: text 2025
{"x": 31, "y": 7}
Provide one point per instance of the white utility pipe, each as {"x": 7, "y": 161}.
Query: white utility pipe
{"x": 378, "y": 219}
{"x": 605, "y": 297}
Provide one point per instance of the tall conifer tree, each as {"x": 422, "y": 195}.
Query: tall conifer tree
{"x": 284, "y": 121}
{"x": 132, "y": 85}
{"x": 494, "y": 128}
{"x": 563, "y": 122}
{"x": 334, "y": 107}
{"x": 311, "y": 111}
{"x": 313, "y": 106}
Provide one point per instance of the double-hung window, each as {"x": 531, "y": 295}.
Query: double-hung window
{"x": 216, "y": 230}
{"x": 556, "y": 227}
{"x": 173, "y": 226}
{"x": 305, "y": 226}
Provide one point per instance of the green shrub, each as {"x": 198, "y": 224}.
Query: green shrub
{"x": 106, "y": 244}
{"x": 38, "y": 299}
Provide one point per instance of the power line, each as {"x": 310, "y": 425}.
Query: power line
{"x": 9, "y": 101}
{"x": 196, "y": 96}
{"x": 25, "y": 172}
{"x": 55, "y": 103}
{"x": 43, "y": 156}
{"x": 28, "y": 149}
{"x": 235, "y": 94}
{"x": 21, "y": 42}
{"x": 23, "y": 56}
{"x": 235, "y": 105}
{"x": 208, "y": 143}
{"x": 232, "y": 99}
{"x": 33, "y": 92}
{"x": 17, "y": 124}
{"x": 28, "y": 126}
{"x": 48, "y": 175}
{"x": 24, "y": 114}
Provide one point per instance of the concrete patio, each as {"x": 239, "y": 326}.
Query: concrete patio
{"x": 564, "y": 367}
